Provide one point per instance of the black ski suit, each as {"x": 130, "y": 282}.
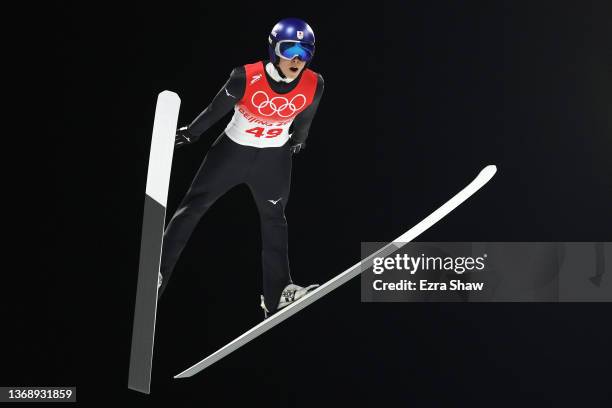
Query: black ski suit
{"x": 266, "y": 171}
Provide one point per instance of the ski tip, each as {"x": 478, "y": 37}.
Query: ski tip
{"x": 488, "y": 172}
{"x": 169, "y": 95}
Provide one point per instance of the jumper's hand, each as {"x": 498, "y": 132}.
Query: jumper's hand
{"x": 296, "y": 148}
{"x": 183, "y": 137}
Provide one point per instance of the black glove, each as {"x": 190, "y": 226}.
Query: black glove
{"x": 295, "y": 148}
{"x": 183, "y": 137}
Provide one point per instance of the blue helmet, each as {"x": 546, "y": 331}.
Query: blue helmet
{"x": 290, "y": 38}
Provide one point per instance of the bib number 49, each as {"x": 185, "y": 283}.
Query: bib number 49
{"x": 260, "y": 131}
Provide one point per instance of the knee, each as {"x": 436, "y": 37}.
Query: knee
{"x": 195, "y": 203}
{"x": 276, "y": 219}
{"x": 190, "y": 208}
{"x": 271, "y": 211}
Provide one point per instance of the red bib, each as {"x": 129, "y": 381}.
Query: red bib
{"x": 262, "y": 117}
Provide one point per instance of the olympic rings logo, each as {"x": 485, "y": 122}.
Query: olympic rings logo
{"x": 280, "y": 105}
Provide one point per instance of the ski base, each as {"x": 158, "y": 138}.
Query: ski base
{"x": 158, "y": 180}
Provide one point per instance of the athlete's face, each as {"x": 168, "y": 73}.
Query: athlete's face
{"x": 291, "y": 68}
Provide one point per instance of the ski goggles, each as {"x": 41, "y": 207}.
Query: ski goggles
{"x": 290, "y": 49}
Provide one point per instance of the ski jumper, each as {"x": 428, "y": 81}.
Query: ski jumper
{"x": 269, "y": 117}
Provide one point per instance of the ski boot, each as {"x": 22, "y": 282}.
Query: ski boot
{"x": 290, "y": 294}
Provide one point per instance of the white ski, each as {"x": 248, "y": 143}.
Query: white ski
{"x": 158, "y": 180}
{"x": 483, "y": 178}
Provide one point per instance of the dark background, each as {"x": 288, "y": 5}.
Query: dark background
{"x": 419, "y": 97}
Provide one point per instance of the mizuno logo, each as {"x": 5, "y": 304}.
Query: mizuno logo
{"x": 229, "y": 94}
{"x": 255, "y": 78}
{"x": 275, "y": 202}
